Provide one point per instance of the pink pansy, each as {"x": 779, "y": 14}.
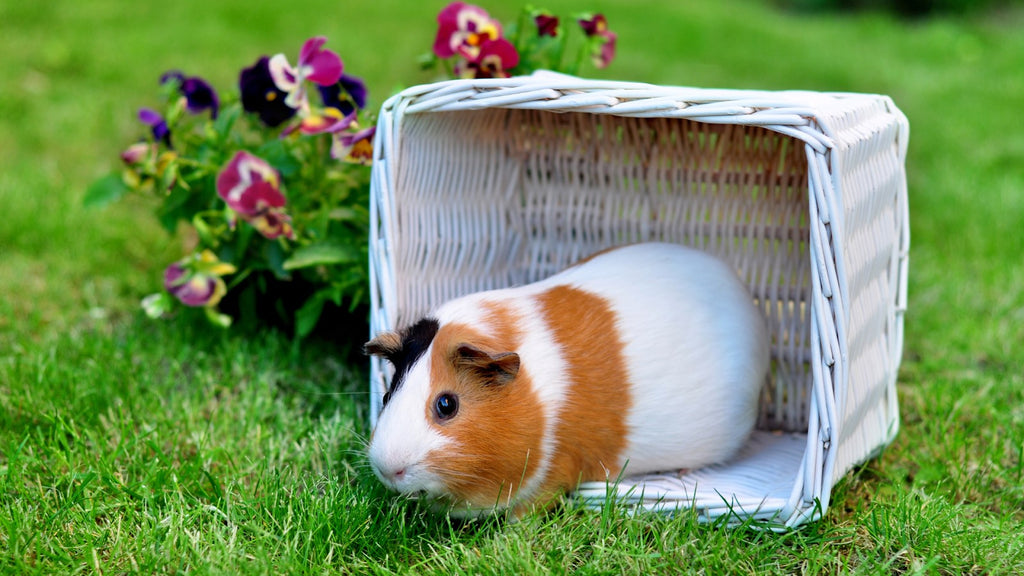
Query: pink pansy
{"x": 323, "y": 67}
{"x": 319, "y": 121}
{"x": 495, "y": 59}
{"x": 462, "y": 29}
{"x": 354, "y": 147}
{"x": 251, "y": 189}
{"x": 603, "y": 39}
{"x": 273, "y": 223}
{"x": 604, "y": 57}
{"x": 196, "y": 280}
{"x": 547, "y": 25}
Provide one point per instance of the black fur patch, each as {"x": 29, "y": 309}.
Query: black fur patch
{"x": 415, "y": 341}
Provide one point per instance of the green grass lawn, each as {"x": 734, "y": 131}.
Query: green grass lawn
{"x": 128, "y": 445}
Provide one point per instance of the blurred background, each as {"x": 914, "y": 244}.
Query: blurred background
{"x": 74, "y": 75}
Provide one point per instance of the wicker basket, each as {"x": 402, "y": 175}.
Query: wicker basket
{"x": 481, "y": 184}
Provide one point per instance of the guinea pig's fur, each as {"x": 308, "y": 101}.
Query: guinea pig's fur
{"x": 644, "y": 358}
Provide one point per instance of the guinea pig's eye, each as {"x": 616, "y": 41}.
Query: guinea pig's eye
{"x": 446, "y": 406}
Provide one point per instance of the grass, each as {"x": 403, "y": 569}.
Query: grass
{"x": 128, "y": 446}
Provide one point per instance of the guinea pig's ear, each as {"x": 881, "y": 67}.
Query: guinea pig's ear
{"x": 386, "y": 344}
{"x": 492, "y": 368}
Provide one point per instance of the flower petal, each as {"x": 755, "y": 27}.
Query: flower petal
{"x": 175, "y": 75}
{"x": 200, "y": 96}
{"x": 356, "y": 148}
{"x": 325, "y": 68}
{"x": 273, "y": 223}
{"x": 157, "y": 123}
{"x": 285, "y": 77}
{"x": 150, "y": 116}
{"x": 138, "y": 152}
{"x": 547, "y": 25}
{"x": 462, "y": 28}
{"x": 330, "y": 120}
{"x": 261, "y": 95}
{"x": 248, "y": 183}
{"x": 447, "y": 21}
{"x": 606, "y": 54}
{"x": 496, "y": 58}
{"x": 595, "y": 25}
{"x": 309, "y": 49}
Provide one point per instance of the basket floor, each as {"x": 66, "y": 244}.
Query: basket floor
{"x": 758, "y": 483}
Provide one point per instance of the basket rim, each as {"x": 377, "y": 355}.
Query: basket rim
{"x": 830, "y": 124}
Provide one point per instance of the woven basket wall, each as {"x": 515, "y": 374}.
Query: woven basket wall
{"x": 481, "y": 184}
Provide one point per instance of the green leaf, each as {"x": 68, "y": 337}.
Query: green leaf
{"x": 158, "y": 304}
{"x": 307, "y": 317}
{"x": 322, "y": 253}
{"x": 274, "y": 253}
{"x": 174, "y": 208}
{"x": 217, "y": 319}
{"x": 278, "y": 154}
{"x": 226, "y": 121}
{"x": 104, "y": 191}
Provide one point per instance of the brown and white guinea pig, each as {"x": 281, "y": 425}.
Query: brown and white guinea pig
{"x": 648, "y": 357}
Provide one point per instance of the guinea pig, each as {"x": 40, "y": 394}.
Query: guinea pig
{"x": 644, "y": 358}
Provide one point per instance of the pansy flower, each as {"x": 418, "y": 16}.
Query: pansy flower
{"x": 348, "y": 94}
{"x": 261, "y": 95}
{"x": 354, "y": 147}
{"x": 251, "y": 188}
{"x": 463, "y": 29}
{"x": 196, "y": 280}
{"x": 320, "y": 66}
{"x": 602, "y": 39}
{"x": 547, "y": 25}
{"x": 157, "y": 124}
{"x": 341, "y": 104}
{"x": 495, "y": 59}
{"x": 322, "y": 120}
{"x": 199, "y": 95}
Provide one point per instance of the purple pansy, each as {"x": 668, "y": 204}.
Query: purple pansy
{"x": 316, "y": 64}
{"x": 261, "y": 95}
{"x": 199, "y": 95}
{"x": 348, "y": 94}
{"x": 157, "y": 124}
{"x": 251, "y": 188}
{"x": 196, "y": 280}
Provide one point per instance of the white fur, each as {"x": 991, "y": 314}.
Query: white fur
{"x": 695, "y": 348}
{"x": 696, "y": 351}
{"x": 408, "y": 451}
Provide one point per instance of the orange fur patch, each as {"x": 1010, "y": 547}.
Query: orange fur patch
{"x": 592, "y": 428}
{"x": 498, "y": 428}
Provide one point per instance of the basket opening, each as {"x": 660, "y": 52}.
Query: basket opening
{"x": 499, "y": 197}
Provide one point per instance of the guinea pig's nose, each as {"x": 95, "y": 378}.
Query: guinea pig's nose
{"x": 397, "y": 475}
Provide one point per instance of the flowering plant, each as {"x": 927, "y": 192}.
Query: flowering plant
{"x": 471, "y": 44}
{"x": 271, "y": 181}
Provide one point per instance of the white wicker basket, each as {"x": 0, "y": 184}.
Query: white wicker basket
{"x": 480, "y": 184}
